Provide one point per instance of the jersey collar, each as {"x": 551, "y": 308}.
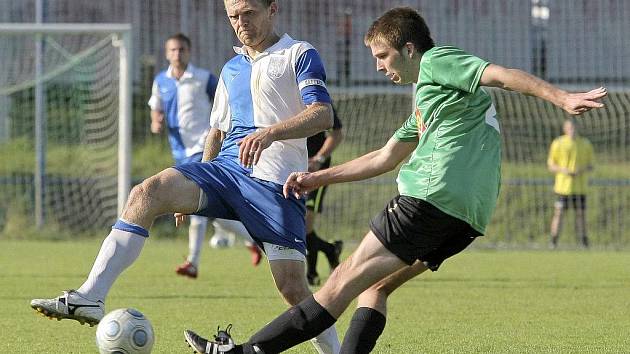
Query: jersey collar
{"x": 188, "y": 73}
{"x": 279, "y": 44}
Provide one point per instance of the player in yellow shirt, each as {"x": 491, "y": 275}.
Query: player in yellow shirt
{"x": 570, "y": 158}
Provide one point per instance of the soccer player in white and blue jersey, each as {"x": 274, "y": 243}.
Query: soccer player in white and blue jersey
{"x": 181, "y": 99}
{"x": 269, "y": 98}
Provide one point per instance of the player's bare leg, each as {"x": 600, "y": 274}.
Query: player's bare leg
{"x": 370, "y": 263}
{"x": 167, "y": 192}
{"x": 556, "y": 225}
{"x": 369, "y": 319}
{"x": 580, "y": 226}
{"x": 289, "y": 277}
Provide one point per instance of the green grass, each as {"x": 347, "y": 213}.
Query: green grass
{"x": 479, "y": 302}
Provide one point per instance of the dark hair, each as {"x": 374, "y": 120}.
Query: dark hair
{"x": 399, "y": 26}
{"x": 180, "y": 37}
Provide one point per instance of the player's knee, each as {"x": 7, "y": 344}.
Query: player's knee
{"x": 136, "y": 196}
{"x": 141, "y": 193}
{"x": 338, "y": 281}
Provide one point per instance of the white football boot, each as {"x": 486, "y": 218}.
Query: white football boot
{"x": 71, "y": 305}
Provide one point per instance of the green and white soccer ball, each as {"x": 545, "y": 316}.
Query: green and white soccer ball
{"x": 124, "y": 331}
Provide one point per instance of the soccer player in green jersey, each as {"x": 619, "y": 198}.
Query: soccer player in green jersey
{"x": 447, "y": 189}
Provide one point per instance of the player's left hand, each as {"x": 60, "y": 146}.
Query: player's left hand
{"x": 578, "y": 103}
{"x": 252, "y": 146}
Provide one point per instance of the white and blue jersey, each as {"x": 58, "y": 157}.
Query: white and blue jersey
{"x": 255, "y": 93}
{"x": 258, "y": 92}
{"x": 186, "y": 104}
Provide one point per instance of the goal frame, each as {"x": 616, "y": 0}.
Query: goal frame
{"x": 123, "y": 41}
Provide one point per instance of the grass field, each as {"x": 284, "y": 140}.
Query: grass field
{"x": 479, "y": 302}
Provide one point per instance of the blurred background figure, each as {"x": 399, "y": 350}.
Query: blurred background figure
{"x": 570, "y": 158}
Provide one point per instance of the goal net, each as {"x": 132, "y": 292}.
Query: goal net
{"x": 62, "y": 160}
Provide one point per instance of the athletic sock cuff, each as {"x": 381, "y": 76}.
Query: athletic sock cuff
{"x": 130, "y": 227}
{"x": 300, "y": 323}
{"x": 314, "y": 311}
{"x": 367, "y": 314}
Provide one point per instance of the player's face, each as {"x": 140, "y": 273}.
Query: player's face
{"x": 177, "y": 53}
{"x": 251, "y": 20}
{"x": 397, "y": 67}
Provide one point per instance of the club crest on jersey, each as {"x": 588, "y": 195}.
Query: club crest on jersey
{"x": 419, "y": 122}
{"x": 276, "y": 67}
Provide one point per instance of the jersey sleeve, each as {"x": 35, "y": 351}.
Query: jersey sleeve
{"x": 211, "y": 87}
{"x": 453, "y": 67}
{"x": 154, "y": 102}
{"x": 408, "y": 131}
{"x": 311, "y": 77}
{"x": 220, "y": 115}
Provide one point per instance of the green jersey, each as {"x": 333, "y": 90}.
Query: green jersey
{"x": 457, "y": 164}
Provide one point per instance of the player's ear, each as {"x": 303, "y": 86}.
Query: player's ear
{"x": 273, "y": 9}
{"x": 409, "y": 49}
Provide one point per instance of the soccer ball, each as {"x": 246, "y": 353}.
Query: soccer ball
{"x": 124, "y": 331}
{"x": 221, "y": 241}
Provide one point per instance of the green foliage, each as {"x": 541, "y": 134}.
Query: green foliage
{"x": 479, "y": 301}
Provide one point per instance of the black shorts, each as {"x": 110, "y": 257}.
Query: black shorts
{"x": 575, "y": 201}
{"x": 413, "y": 229}
{"x": 315, "y": 199}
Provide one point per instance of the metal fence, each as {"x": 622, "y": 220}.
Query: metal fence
{"x": 568, "y": 41}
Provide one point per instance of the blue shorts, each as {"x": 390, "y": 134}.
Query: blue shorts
{"x": 233, "y": 194}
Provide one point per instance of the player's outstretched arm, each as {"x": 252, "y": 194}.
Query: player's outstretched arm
{"x": 520, "y": 81}
{"x": 369, "y": 165}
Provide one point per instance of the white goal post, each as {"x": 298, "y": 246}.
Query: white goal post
{"x": 122, "y": 39}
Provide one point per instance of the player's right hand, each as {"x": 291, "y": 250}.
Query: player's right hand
{"x": 299, "y": 184}
{"x": 581, "y": 102}
{"x": 157, "y": 121}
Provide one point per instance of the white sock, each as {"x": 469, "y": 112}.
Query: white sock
{"x": 327, "y": 342}
{"x": 118, "y": 251}
{"x": 196, "y": 235}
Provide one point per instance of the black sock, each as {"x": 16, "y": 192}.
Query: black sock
{"x": 311, "y": 254}
{"x": 365, "y": 327}
{"x": 298, "y": 324}
{"x": 319, "y": 244}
